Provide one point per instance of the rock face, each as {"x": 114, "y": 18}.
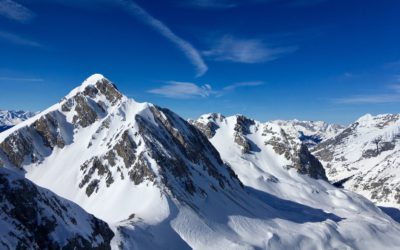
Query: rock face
{"x": 311, "y": 133}
{"x": 35, "y": 218}
{"x": 10, "y": 118}
{"x": 161, "y": 183}
{"x": 254, "y": 138}
{"x": 365, "y": 158}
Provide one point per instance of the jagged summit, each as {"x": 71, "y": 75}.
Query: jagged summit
{"x": 91, "y": 84}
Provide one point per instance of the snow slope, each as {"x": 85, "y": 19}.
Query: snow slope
{"x": 35, "y": 218}
{"x": 310, "y": 133}
{"x": 9, "y": 118}
{"x": 365, "y": 158}
{"x": 160, "y": 183}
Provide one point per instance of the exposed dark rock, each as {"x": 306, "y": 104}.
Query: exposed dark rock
{"x": 307, "y": 164}
{"x": 126, "y": 149}
{"x": 89, "y": 168}
{"x": 141, "y": 171}
{"x": 93, "y": 186}
{"x": 109, "y": 90}
{"x": 85, "y": 114}
{"x": 16, "y": 147}
{"x": 390, "y": 118}
{"x": 91, "y": 91}
{"x": 36, "y": 213}
{"x": 243, "y": 124}
{"x": 209, "y": 128}
{"x": 303, "y": 161}
{"x": 191, "y": 150}
{"x": 243, "y": 142}
{"x": 242, "y": 128}
{"x": 47, "y": 127}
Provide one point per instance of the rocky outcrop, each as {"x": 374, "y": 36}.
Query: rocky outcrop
{"x": 302, "y": 160}
{"x": 30, "y": 217}
{"x": 193, "y": 151}
{"x": 307, "y": 164}
{"x": 16, "y": 147}
{"x": 48, "y": 128}
{"x": 242, "y": 128}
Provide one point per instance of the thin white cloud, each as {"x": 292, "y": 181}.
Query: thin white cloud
{"x": 224, "y": 4}
{"x": 369, "y": 99}
{"x": 16, "y": 39}
{"x": 174, "y": 89}
{"x": 233, "y": 49}
{"x": 185, "y": 90}
{"x": 20, "y": 79}
{"x": 217, "y": 4}
{"x": 15, "y": 11}
{"x": 393, "y": 97}
{"x": 243, "y": 84}
{"x": 188, "y": 49}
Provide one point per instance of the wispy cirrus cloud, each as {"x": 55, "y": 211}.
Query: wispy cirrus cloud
{"x": 183, "y": 90}
{"x": 379, "y": 98}
{"x": 188, "y": 49}
{"x": 232, "y": 49}
{"x": 186, "y": 90}
{"x": 243, "y": 84}
{"x": 15, "y": 11}
{"x": 20, "y": 79}
{"x": 217, "y": 4}
{"x": 17, "y": 39}
{"x": 225, "y": 4}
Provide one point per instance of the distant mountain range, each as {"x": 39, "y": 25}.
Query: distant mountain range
{"x": 9, "y": 118}
{"x": 365, "y": 158}
{"x": 161, "y": 182}
{"x": 310, "y": 133}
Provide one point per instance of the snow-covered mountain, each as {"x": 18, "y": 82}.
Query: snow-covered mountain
{"x": 34, "y": 218}
{"x": 241, "y": 141}
{"x": 311, "y": 133}
{"x": 161, "y": 184}
{"x": 365, "y": 158}
{"x": 9, "y": 118}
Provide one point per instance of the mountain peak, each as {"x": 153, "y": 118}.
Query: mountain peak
{"x": 97, "y": 88}
{"x": 93, "y": 84}
{"x": 92, "y": 80}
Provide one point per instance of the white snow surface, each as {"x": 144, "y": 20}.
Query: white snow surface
{"x": 276, "y": 209}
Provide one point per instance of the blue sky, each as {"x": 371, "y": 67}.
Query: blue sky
{"x": 332, "y": 60}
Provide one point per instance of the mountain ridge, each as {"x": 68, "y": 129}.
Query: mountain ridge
{"x": 160, "y": 183}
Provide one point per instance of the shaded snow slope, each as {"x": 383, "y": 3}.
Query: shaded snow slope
{"x": 365, "y": 158}
{"x": 161, "y": 184}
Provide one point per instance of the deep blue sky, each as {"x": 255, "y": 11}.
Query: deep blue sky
{"x": 332, "y": 60}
